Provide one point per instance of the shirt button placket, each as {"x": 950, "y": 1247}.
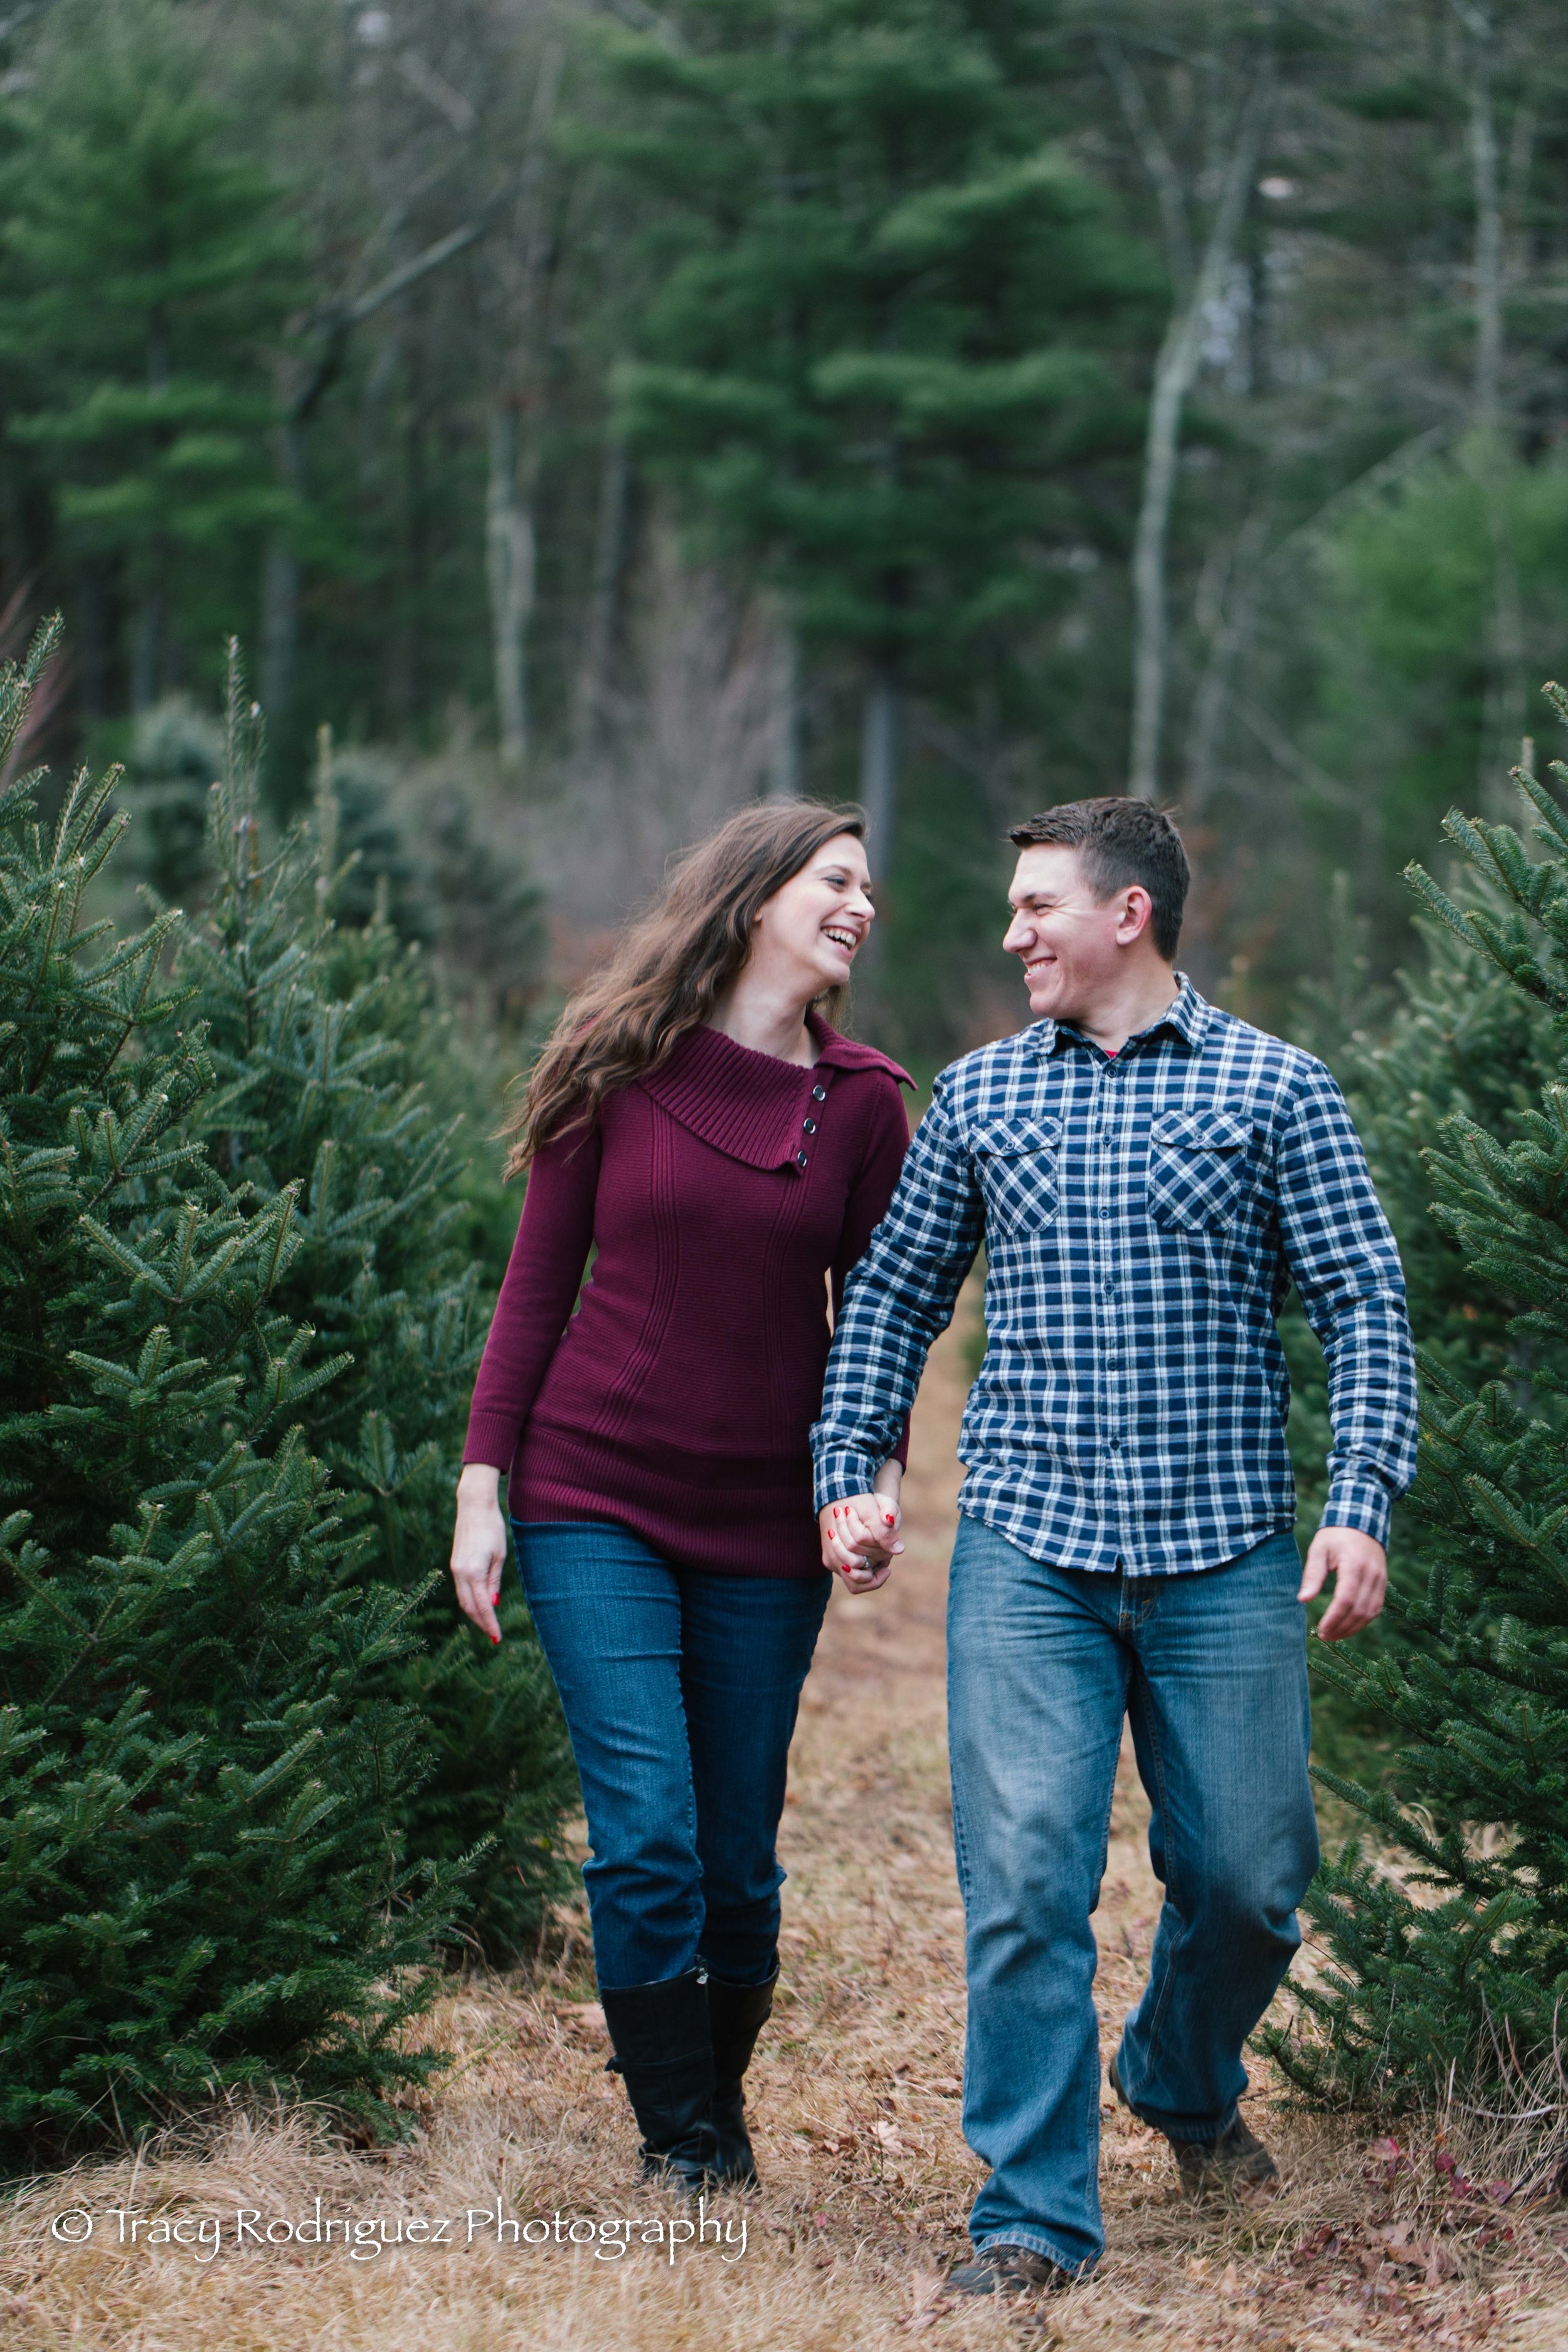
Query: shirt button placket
{"x": 1121, "y": 1107}
{"x": 1095, "y": 1183}
{"x": 1106, "y": 1160}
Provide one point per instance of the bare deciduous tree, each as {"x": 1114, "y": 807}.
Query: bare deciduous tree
{"x": 1197, "y": 280}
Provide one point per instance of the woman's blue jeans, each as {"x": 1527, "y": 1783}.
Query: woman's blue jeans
{"x": 680, "y": 1690}
{"x": 1043, "y": 1665}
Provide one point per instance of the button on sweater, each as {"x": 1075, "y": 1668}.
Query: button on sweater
{"x": 725, "y": 1195}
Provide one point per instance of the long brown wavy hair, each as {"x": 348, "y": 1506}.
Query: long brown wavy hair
{"x": 672, "y": 966}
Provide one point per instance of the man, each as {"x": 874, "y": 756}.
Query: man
{"x": 1148, "y": 1175}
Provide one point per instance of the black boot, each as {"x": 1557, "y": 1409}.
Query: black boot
{"x": 664, "y": 2056}
{"x": 736, "y": 2015}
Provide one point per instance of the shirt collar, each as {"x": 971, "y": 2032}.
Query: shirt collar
{"x": 1187, "y": 1015}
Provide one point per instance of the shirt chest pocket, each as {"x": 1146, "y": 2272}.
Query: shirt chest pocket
{"x": 1197, "y": 1164}
{"x": 1015, "y": 1165}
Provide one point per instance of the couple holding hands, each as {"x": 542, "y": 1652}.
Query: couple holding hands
{"x": 1148, "y": 1176}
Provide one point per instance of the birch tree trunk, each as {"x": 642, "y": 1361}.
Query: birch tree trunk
{"x": 1477, "y": 22}
{"x": 517, "y": 428}
{"x": 1174, "y": 373}
{"x": 599, "y": 637}
{"x": 783, "y": 765}
{"x": 879, "y": 770}
{"x": 280, "y": 588}
{"x": 1232, "y": 625}
{"x": 1503, "y": 721}
{"x": 510, "y": 565}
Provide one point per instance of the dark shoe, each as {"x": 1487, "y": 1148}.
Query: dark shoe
{"x": 736, "y": 2015}
{"x": 1216, "y": 2168}
{"x": 1237, "y": 2159}
{"x": 1002, "y": 2269}
{"x": 664, "y": 2056}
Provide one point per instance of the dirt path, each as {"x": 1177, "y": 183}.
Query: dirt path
{"x": 867, "y": 2178}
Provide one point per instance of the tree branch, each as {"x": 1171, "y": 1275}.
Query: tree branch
{"x": 1174, "y": 372}
{"x": 337, "y": 324}
{"x": 1156, "y": 156}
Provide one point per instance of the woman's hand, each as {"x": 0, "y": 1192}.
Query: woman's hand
{"x": 479, "y": 1547}
{"x": 861, "y": 1539}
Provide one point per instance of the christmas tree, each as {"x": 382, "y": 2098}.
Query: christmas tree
{"x": 327, "y": 1040}
{"x": 1457, "y": 1037}
{"x": 1462, "y": 1956}
{"x": 204, "y": 1762}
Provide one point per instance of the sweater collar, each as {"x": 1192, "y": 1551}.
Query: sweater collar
{"x": 749, "y": 1105}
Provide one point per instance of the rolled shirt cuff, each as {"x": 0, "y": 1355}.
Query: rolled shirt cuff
{"x": 838, "y": 1475}
{"x": 1360, "y": 1501}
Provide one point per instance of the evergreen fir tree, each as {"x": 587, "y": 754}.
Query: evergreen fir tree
{"x": 323, "y": 1038}
{"x": 1479, "y": 1698}
{"x": 1457, "y": 1038}
{"x": 882, "y": 355}
{"x": 204, "y": 1762}
{"x": 147, "y": 266}
{"x": 176, "y": 751}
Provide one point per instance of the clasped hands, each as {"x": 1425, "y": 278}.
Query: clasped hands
{"x": 861, "y": 1539}
{"x": 861, "y": 1542}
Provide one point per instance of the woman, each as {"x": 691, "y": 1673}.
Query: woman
{"x": 696, "y": 1121}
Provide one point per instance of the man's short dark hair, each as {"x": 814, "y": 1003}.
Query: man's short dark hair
{"x": 1120, "y": 840}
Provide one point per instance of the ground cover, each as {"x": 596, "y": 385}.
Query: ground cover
{"x": 865, "y": 2176}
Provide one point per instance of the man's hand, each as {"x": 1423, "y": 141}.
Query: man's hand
{"x": 861, "y": 1539}
{"x": 1359, "y": 1566}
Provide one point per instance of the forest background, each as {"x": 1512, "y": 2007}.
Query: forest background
{"x": 587, "y": 417}
{"x": 597, "y": 415}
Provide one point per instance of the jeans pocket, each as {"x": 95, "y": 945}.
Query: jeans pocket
{"x": 1197, "y": 1161}
{"x": 1015, "y": 1166}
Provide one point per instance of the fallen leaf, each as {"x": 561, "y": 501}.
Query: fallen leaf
{"x": 886, "y": 2131}
{"x": 1229, "y": 2284}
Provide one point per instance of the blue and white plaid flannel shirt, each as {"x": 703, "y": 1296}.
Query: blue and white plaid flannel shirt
{"x": 1143, "y": 1216}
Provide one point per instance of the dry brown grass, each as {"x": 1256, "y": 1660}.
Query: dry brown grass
{"x": 867, "y": 2178}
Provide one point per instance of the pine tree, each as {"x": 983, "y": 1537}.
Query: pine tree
{"x": 148, "y": 265}
{"x": 1480, "y": 1697}
{"x": 882, "y": 355}
{"x": 1457, "y": 1037}
{"x": 203, "y": 1760}
{"x": 176, "y": 750}
{"x": 324, "y": 1038}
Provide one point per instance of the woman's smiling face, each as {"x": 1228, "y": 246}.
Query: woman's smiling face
{"x": 813, "y": 926}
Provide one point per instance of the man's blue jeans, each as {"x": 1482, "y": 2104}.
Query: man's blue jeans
{"x": 680, "y": 1690}
{"x": 1043, "y": 1663}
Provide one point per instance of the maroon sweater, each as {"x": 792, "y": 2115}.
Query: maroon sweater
{"x": 723, "y": 1192}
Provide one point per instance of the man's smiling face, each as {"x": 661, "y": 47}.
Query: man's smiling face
{"x": 1067, "y": 940}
